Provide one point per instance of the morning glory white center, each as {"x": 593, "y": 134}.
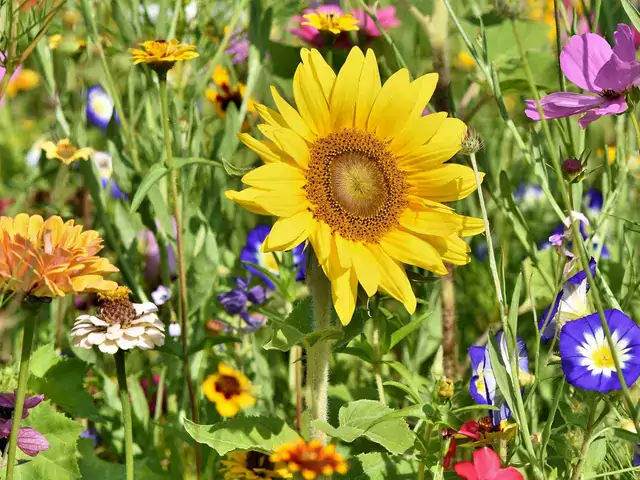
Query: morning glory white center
{"x": 596, "y": 354}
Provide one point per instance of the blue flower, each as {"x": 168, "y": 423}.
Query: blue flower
{"x": 105, "y": 170}
{"x": 254, "y": 321}
{"x": 586, "y": 358}
{"x": 528, "y": 195}
{"x": 483, "y": 386}
{"x": 569, "y": 304}
{"x": 251, "y": 253}
{"x": 593, "y": 201}
{"x": 234, "y": 301}
{"x": 100, "y": 107}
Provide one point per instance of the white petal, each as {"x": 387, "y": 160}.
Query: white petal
{"x": 96, "y": 338}
{"x": 99, "y": 322}
{"x": 127, "y": 343}
{"x": 134, "y": 331}
{"x": 145, "y": 343}
{"x": 108, "y": 347}
{"x": 114, "y": 332}
{"x": 147, "y": 307}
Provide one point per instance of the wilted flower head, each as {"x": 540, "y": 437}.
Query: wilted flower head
{"x": 162, "y": 55}
{"x": 30, "y": 441}
{"x": 65, "y": 151}
{"x": 229, "y": 389}
{"x": 51, "y": 258}
{"x": 472, "y": 142}
{"x": 119, "y": 324}
{"x": 311, "y": 459}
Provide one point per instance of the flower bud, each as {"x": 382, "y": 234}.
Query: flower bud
{"x": 525, "y": 379}
{"x": 572, "y": 168}
{"x": 445, "y": 388}
{"x": 472, "y": 142}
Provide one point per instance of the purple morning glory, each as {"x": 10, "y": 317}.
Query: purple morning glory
{"x": 591, "y": 64}
{"x": 586, "y": 358}
{"x": 30, "y": 441}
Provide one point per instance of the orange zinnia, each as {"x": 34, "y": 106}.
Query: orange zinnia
{"x": 51, "y": 258}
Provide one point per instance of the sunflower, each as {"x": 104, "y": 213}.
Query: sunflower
{"x": 251, "y": 465}
{"x": 65, "y": 151}
{"x": 225, "y": 94}
{"x": 360, "y": 173}
{"x": 310, "y": 459}
{"x": 334, "y": 22}
{"x": 161, "y": 55}
{"x": 50, "y": 258}
{"x": 229, "y": 389}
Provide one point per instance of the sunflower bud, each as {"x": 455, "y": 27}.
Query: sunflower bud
{"x": 445, "y": 388}
{"x": 472, "y": 142}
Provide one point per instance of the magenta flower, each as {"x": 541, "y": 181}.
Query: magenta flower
{"x": 30, "y": 441}
{"x": 386, "y": 17}
{"x": 590, "y": 63}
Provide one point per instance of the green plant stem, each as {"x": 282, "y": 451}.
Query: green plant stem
{"x": 427, "y": 436}
{"x": 636, "y": 127}
{"x": 121, "y": 371}
{"x": 12, "y": 45}
{"x": 377, "y": 359}
{"x": 182, "y": 276}
{"x": 319, "y": 355}
{"x": 23, "y": 376}
{"x": 577, "y": 469}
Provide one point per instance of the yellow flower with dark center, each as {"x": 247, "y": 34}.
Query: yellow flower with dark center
{"x": 251, "y": 465}
{"x": 50, "y": 258}
{"x": 360, "y": 173}
{"x": 65, "y": 151}
{"x": 334, "y": 22}
{"x": 229, "y": 389}
{"x": 161, "y": 55}
{"x": 310, "y": 459}
{"x": 224, "y": 94}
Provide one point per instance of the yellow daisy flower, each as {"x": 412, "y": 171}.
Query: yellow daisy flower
{"x": 161, "y": 55}
{"x": 224, "y": 94}
{"x": 333, "y": 22}
{"x": 251, "y": 465}
{"x": 360, "y": 173}
{"x": 229, "y": 389}
{"x": 65, "y": 151}
{"x": 310, "y": 459}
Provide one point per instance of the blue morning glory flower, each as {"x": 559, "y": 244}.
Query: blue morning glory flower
{"x": 528, "y": 195}
{"x": 105, "y": 170}
{"x": 586, "y": 358}
{"x": 483, "y": 386}
{"x": 100, "y": 107}
{"x": 251, "y": 253}
{"x": 593, "y": 201}
{"x": 569, "y": 304}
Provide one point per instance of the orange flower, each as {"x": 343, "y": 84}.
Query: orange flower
{"x": 51, "y": 258}
{"x": 310, "y": 459}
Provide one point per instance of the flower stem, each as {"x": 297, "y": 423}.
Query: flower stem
{"x": 121, "y": 371}
{"x": 182, "y": 276}
{"x": 12, "y": 45}
{"x": 427, "y": 436}
{"x": 377, "y": 358}
{"x": 23, "y": 376}
{"x": 577, "y": 469}
{"x": 319, "y": 355}
{"x": 636, "y": 127}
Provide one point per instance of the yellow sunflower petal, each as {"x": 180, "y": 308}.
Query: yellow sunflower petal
{"x": 345, "y": 91}
{"x": 443, "y": 184}
{"x": 306, "y": 87}
{"x": 324, "y": 73}
{"x": 270, "y": 116}
{"x": 292, "y": 117}
{"x": 265, "y": 150}
{"x": 396, "y": 82}
{"x": 471, "y": 226}
{"x": 407, "y": 248}
{"x": 427, "y": 85}
{"x": 452, "y": 249}
{"x": 416, "y": 133}
{"x": 344, "y": 290}
{"x": 275, "y": 176}
{"x": 344, "y": 254}
{"x": 419, "y": 203}
{"x": 444, "y": 145}
{"x": 290, "y": 142}
{"x": 431, "y": 222}
{"x": 246, "y": 198}
{"x": 366, "y": 268}
{"x": 393, "y": 278}
{"x": 301, "y": 101}
{"x": 288, "y": 233}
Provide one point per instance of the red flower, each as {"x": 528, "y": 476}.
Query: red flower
{"x": 486, "y": 466}
{"x": 469, "y": 429}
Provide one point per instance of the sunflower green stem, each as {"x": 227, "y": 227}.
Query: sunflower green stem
{"x": 23, "y": 377}
{"x": 182, "y": 276}
{"x": 377, "y": 358}
{"x": 121, "y": 371}
{"x": 319, "y": 355}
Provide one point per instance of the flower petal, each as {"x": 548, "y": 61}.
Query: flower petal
{"x": 583, "y": 57}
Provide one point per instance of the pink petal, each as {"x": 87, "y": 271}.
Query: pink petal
{"x": 562, "y": 104}
{"x": 583, "y": 57}
{"x": 31, "y": 441}
{"x": 508, "y": 473}
{"x": 624, "y": 48}
{"x": 486, "y": 461}
{"x": 386, "y": 17}
{"x": 617, "y": 75}
{"x": 609, "y": 107}
{"x": 466, "y": 470}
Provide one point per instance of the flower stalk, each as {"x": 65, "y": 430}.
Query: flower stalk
{"x": 23, "y": 376}
{"x": 319, "y": 355}
{"x": 126, "y": 412}
{"x": 377, "y": 358}
{"x": 182, "y": 276}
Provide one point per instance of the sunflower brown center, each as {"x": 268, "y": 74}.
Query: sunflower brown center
{"x": 228, "y": 386}
{"x": 354, "y": 185}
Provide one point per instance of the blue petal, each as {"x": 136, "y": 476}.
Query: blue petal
{"x": 476, "y": 354}
{"x": 256, "y": 237}
{"x": 594, "y": 200}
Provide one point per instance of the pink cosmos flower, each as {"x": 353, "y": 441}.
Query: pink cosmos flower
{"x": 590, "y": 63}
{"x": 386, "y": 17}
{"x": 486, "y": 466}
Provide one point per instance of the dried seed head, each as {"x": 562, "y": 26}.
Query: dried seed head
{"x": 472, "y": 142}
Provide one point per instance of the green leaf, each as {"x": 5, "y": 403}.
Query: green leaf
{"x": 404, "y": 331}
{"x": 245, "y": 433}
{"x": 155, "y": 173}
{"x": 632, "y": 13}
{"x": 353, "y": 329}
{"x": 59, "y": 461}
{"x": 233, "y": 170}
{"x": 180, "y": 162}
{"x": 43, "y": 359}
{"x": 365, "y": 418}
{"x": 139, "y": 403}
{"x": 298, "y": 329}
{"x": 500, "y": 373}
{"x": 380, "y": 466}
{"x": 93, "y": 467}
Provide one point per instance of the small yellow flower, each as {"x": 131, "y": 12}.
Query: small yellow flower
{"x": 65, "y": 152}
{"x": 333, "y": 22}
{"x": 251, "y": 465}
{"x": 310, "y": 459}
{"x": 161, "y": 55}
{"x": 224, "y": 94}
{"x": 22, "y": 81}
{"x": 73, "y": 43}
{"x": 465, "y": 61}
{"x": 229, "y": 389}
{"x": 445, "y": 388}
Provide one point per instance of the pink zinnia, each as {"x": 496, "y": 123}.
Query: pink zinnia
{"x": 486, "y": 466}
{"x": 590, "y": 63}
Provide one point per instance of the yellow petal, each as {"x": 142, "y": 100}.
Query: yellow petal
{"x": 292, "y": 117}
{"x": 246, "y": 198}
{"x": 366, "y": 268}
{"x": 396, "y": 82}
{"x": 416, "y": 133}
{"x": 227, "y": 408}
{"x": 368, "y": 89}
{"x": 289, "y": 142}
{"x": 443, "y": 184}
{"x": 288, "y": 233}
{"x": 308, "y": 88}
{"x": 345, "y": 91}
{"x": 393, "y": 279}
{"x": 419, "y": 203}
{"x": 427, "y": 85}
{"x": 324, "y": 73}
{"x": 301, "y": 101}
{"x": 444, "y": 145}
{"x": 276, "y": 176}
{"x": 321, "y": 241}
{"x": 471, "y": 226}
{"x": 282, "y": 204}
{"x": 342, "y": 247}
{"x": 344, "y": 290}
{"x": 430, "y": 222}
{"x": 271, "y": 116}
{"x": 407, "y": 248}
{"x": 267, "y": 151}
{"x": 452, "y": 249}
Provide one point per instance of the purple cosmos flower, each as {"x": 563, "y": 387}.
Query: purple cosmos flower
{"x": 238, "y": 48}
{"x": 590, "y": 63}
{"x": 570, "y": 303}
{"x": 483, "y": 386}
{"x": 100, "y": 107}
{"x": 251, "y": 253}
{"x": 586, "y": 358}
{"x": 30, "y": 441}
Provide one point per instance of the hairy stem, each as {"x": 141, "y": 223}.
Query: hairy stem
{"x": 377, "y": 358}
{"x": 449, "y": 327}
{"x": 121, "y": 371}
